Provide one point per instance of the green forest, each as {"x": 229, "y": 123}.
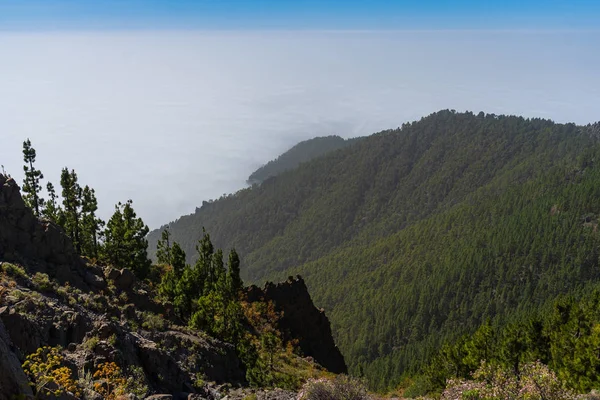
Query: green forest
{"x": 300, "y": 153}
{"x": 419, "y": 240}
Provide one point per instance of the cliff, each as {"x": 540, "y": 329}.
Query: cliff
{"x": 41, "y": 245}
{"x": 302, "y": 321}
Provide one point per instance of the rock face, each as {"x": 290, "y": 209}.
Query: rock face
{"x": 12, "y": 377}
{"x": 40, "y": 244}
{"x": 302, "y": 321}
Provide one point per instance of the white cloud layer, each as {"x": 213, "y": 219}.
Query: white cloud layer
{"x": 173, "y": 118}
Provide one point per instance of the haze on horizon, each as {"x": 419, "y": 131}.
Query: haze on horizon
{"x": 171, "y": 116}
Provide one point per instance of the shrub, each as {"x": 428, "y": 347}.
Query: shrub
{"x": 154, "y": 322}
{"x": 136, "y": 382}
{"x": 47, "y": 373}
{"x": 13, "y": 270}
{"x": 91, "y": 343}
{"x": 112, "y": 340}
{"x": 42, "y": 282}
{"x": 110, "y": 382}
{"x": 86, "y": 380}
{"x": 123, "y": 298}
{"x": 420, "y": 387}
{"x": 342, "y": 387}
{"x": 535, "y": 382}
{"x": 199, "y": 380}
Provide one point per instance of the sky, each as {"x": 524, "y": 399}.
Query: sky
{"x": 298, "y": 14}
{"x": 172, "y": 103}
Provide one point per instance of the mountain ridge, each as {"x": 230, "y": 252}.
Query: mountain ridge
{"x": 341, "y": 219}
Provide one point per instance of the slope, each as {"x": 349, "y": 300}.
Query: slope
{"x": 412, "y": 236}
{"x": 68, "y": 324}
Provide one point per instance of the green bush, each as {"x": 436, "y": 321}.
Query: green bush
{"x": 91, "y": 343}
{"x": 154, "y": 322}
{"x": 420, "y": 387}
{"x": 13, "y": 270}
{"x": 136, "y": 382}
{"x": 42, "y": 282}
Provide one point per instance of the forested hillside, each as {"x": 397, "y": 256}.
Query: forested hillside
{"x": 84, "y": 314}
{"x": 302, "y": 152}
{"x": 413, "y": 237}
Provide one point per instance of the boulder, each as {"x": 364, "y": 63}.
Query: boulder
{"x": 125, "y": 279}
{"x": 95, "y": 281}
{"x": 112, "y": 273}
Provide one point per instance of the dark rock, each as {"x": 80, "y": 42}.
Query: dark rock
{"x": 160, "y": 397}
{"x": 24, "y": 333}
{"x": 96, "y": 270}
{"x": 24, "y": 238}
{"x": 302, "y": 321}
{"x": 125, "y": 279}
{"x": 162, "y": 368}
{"x": 129, "y": 311}
{"x": 105, "y": 331}
{"x": 13, "y": 380}
{"x": 112, "y": 273}
{"x": 52, "y": 327}
{"x": 95, "y": 280}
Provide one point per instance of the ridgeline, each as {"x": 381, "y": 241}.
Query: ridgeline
{"x": 411, "y": 238}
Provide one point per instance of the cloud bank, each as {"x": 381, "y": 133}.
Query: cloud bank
{"x": 171, "y": 118}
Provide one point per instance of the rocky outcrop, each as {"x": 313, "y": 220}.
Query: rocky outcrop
{"x": 33, "y": 323}
{"x": 49, "y": 296}
{"x": 170, "y": 359}
{"x": 42, "y": 245}
{"x": 302, "y": 321}
{"x": 92, "y": 322}
{"x": 12, "y": 377}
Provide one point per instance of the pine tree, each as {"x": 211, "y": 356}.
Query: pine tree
{"x": 204, "y": 268}
{"x": 71, "y": 194}
{"x": 178, "y": 259}
{"x": 31, "y": 183}
{"x": 163, "y": 248}
{"x": 170, "y": 280}
{"x": 90, "y": 224}
{"x": 52, "y": 210}
{"x": 125, "y": 241}
{"x": 234, "y": 281}
{"x": 189, "y": 287}
{"x": 217, "y": 277}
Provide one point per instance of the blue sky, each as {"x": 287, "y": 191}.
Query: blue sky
{"x": 299, "y": 14}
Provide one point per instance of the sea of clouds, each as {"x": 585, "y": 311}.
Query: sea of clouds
{"x": 171, "y": 118}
